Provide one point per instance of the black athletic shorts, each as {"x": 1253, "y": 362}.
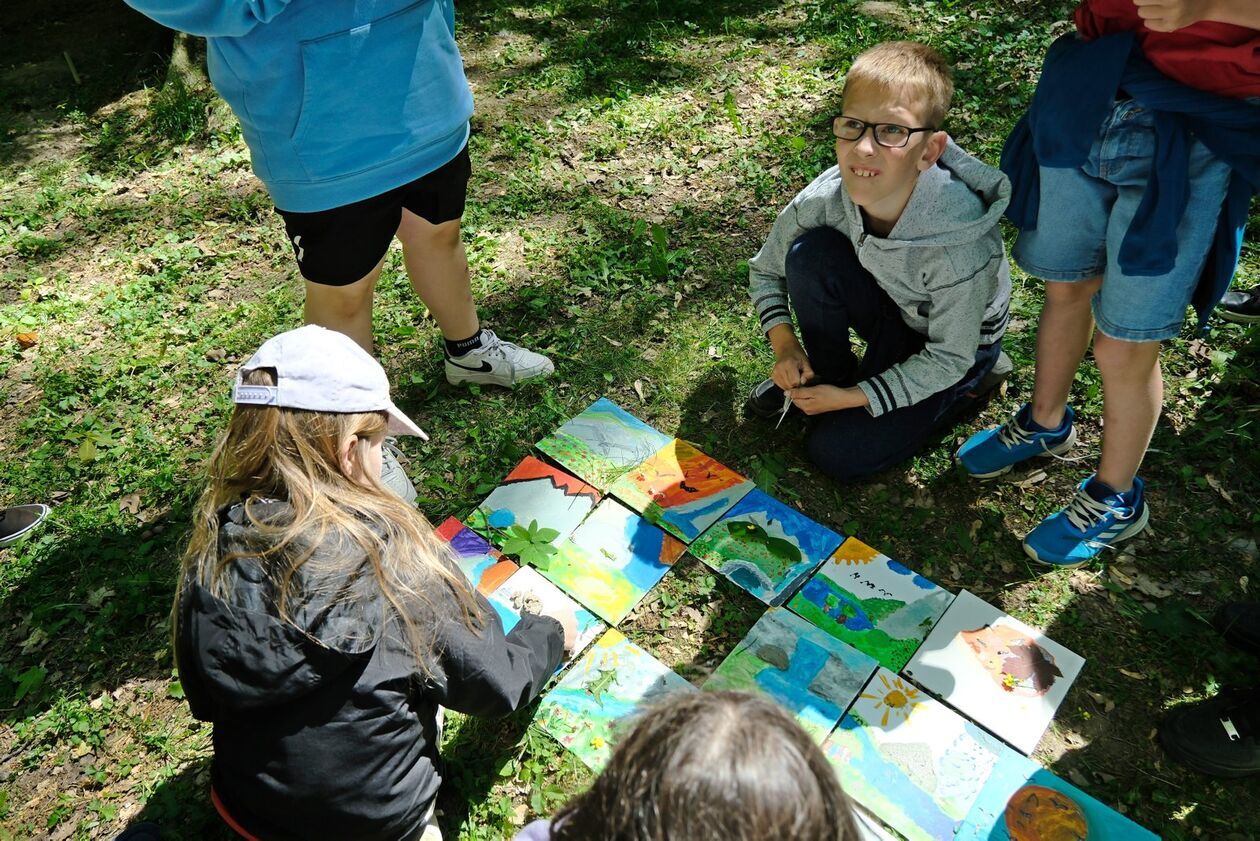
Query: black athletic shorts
{"x": 340, "y": 246}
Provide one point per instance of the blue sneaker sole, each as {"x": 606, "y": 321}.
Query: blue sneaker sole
{"x": 1057, "y": 450}
{"x": 1132, "y": 531}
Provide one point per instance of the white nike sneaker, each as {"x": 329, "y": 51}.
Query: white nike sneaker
{"x": 497, "y": 362}
{"x": 392, "y": 474}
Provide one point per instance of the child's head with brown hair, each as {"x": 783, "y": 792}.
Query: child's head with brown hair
{"x": 914, "y": 72}
{"x": 712, "y": 766}
{"x": 895, "y": 99}
{"x": 312, "y": 411}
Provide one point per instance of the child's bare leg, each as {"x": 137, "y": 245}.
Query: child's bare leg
{"x": 1063, "y": 333}
{"x": 346, "y": 309}
{"x": 1133, "y": 392}
{"x": 438, "y": 269}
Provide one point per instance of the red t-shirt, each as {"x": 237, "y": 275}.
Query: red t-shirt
{"x": 1217, "y": 57}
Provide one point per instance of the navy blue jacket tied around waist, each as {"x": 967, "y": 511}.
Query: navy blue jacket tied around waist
{"x": 1080, "y": 81}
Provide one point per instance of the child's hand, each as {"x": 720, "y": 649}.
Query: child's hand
{"x": 568, "y": 620}
{"x": 1167, "y": 15}
{"x": 792, "y": 369}
{"x": 814, "y": 400}
{"x": 563, "y": 613}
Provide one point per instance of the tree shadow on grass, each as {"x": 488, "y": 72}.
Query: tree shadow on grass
{"x": 472, "y": 760}
{"x": 91, "y": 614}
{"x": 181, "y": 807}
{"x": 113, "y": 49}
{"x": 616, "y": 48}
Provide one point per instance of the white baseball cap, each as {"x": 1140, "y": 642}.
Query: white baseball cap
{"x": 321, "y": 370}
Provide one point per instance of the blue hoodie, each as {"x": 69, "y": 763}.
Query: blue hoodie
{"x": 339, "y": 100}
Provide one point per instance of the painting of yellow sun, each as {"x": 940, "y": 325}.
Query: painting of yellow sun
{"x": 897, "y": 700}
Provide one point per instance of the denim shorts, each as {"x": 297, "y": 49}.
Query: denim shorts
{"x": 1085, "y": 212}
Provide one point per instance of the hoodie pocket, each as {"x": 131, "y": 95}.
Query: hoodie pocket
{"x": 379, "y": 91}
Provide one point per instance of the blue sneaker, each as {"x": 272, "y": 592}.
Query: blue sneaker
{"x": 992, "y": 452}
{"x": 1080, "y": 532}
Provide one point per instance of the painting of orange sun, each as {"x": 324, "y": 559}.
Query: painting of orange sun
{"x": 897, "y": 700}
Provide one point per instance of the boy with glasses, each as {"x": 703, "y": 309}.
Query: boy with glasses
{"x": 898, "y": 243}
{"x": 1132, "y": 174}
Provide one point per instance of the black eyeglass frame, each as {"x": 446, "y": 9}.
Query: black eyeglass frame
{"x": 874, "y": 128}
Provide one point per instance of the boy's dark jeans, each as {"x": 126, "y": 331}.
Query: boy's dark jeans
{"x": 831, "y": 293}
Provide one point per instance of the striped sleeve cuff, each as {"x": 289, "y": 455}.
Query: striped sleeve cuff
{"x": 772, "y": 309}
{"x": 879, "y": 396}
{"x": 767, "y": 324}
{"x": 992, "y": 329}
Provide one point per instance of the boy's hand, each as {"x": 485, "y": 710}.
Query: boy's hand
{"x": 1167, "y": 15}
{"x": 817, "y": 399}
{"x": 791, "y": 366}
{"x": 791, "y": 370}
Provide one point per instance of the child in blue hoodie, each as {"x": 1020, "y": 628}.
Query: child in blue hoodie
{"x": 356, "y": 116}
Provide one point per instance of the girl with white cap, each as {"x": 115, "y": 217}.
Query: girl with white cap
{"x": 319, "y": 623}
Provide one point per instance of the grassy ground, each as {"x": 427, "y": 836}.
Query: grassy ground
{"x": 628, "y": 158}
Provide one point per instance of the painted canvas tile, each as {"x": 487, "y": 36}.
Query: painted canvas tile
{"x": 483, "y": 565}
{"x": 534, "y": 492}
{"x": 1022, "y": 800}
{"x": 508, "y": 614}
{"x": 605, "y": 687}
{"x": 990, "y": 666}
{"x": 612, "y": 560}
{"x": 909, "y": 759}
{"x": 804, "y": 669}
{"x": 872, "y": 602}
{"x": 528, "y": 591}
{"x": 602, "y": 443}
{"x": 681, "y": 489}
{"x": 765, "y": 546}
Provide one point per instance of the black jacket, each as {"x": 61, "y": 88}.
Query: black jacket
{"x": 332, "y": 733}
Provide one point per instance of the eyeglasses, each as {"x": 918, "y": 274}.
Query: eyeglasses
{"x": 889, "y": 135}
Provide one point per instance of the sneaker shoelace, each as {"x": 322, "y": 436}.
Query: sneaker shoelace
{"x": 391, "y": 447}
{"x": 1084, "y": 512}
{"x": 492, "y": 345}
{"x": 1014, "y": 434}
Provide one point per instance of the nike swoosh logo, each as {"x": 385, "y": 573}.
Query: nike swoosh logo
{"x": 485, "y": 366}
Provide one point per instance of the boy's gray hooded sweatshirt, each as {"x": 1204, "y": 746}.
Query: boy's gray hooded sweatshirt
{"x": 943, "y": 264}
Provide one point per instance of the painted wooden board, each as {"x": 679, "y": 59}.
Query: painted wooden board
{"x": 1022, "y": 800}
{"x": 611, "y": 561}
{"x": 535, "y": 492}
{"x": 910, "y": 760}
{"x": 681, "y": 489}
{"x": 872, "y": 602}
{"x": 602, "y": 443}
{"x": 590, "y": 704}
{"x": 807, "y": 671}
{"x": 528, "y": 591}
{"x": 1008, "y": 677}
{"x": 480, "y": 561}
{"x": 765, "y": 547}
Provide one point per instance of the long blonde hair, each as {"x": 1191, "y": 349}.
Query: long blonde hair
{"x": 271, "y": 453}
